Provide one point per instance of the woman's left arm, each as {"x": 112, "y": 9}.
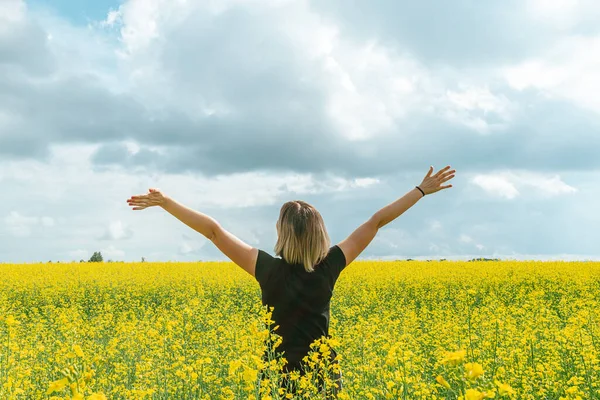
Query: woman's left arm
{"x": 239, "y": 252}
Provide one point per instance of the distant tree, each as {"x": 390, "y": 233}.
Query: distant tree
{"x": 96, "y": 257}
{"x": 82, "y": 260}
{"x": 143, "y": 259}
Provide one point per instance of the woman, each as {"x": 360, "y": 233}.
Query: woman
{"x": 299, "y": 283}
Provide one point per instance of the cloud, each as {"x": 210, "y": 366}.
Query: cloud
{"x": 465, "y": 238}
{"x": 47, "y": 221}
{"x": 78, "y": 255}
{"x": 496, "y": 185}
{"x": 457, "y": 32}
{"x": 569, "y": 69}
{"x": 235, "y": 107}
{"x": 117, "y": 230}
{"x": 504, "y": 184}
{"x": 112, "y": 253}
{"x": 564, "y": 15}
{"x": 479, "y": 109}
{"x": 435, "y": 225}
{"x": 309, "y": 97}
{"x": 20, "y": 225}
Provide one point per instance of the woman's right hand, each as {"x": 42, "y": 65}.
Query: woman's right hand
{"x": 432, "y": 184}
{"x": 154, "y": 197}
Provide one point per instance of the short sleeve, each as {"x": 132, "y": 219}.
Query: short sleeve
{"x": 336, "y": 260}
{"x": 264, "y": 264}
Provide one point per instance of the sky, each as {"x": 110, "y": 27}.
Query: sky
{"x": 234, "y": 107}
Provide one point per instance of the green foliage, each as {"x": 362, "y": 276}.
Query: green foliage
{"x": 96, "y": 257}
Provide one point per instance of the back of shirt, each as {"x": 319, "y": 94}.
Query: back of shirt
{"x": 300, "y": 299}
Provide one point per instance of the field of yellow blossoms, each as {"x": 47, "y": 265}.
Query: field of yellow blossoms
{"x": 402, "y": 330}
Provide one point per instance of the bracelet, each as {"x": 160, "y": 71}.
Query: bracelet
{"x": 421, "y": 190}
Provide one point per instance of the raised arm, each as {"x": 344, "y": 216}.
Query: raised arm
{"x": 196, "y": 220}
{"x": 354, "y": 244}
{"x": 239, "y": 252}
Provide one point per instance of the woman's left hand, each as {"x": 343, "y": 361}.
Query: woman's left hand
{"x": 153, "y": 198}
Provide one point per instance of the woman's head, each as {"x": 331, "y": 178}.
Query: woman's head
{"x": 302, "y": 237}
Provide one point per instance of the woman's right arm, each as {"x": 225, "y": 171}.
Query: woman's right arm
{"x": 354, "y": 244}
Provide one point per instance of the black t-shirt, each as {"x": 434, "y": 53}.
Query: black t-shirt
{"x": 300, "y": 299}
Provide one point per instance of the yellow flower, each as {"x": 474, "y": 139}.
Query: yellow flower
{"x": 323, "y": 348}
{"x": 97, "y": 396}
{"x": 440, "y": 379}
{"x": 473, "y": 394}
{"x": 234, "y": 366}
{"x": 10, "y": 320}
{"x": 474, "y": 370}
{"x": 57, "y": 385}
{"x": 505, "y": 389}
{"x": 77, "y": 350}
{"x": 250, "y": 375}
{"x": 454, "y": 358}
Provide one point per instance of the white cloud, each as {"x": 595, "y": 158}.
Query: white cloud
{"x": 569, "y": 69}
{"x": 560, "y": 13}
{"x": 186, "y": 248}
{"x": 551, "y": 185}
{"x": 465, "y": 238}
{"x": 473, "y": 106}
{"x": 563, "y": 15}
{"x": 504, "y": 184}
{"x": 78, "y": 254}
{"x": 496, "y": 185}
{"x": 392, "y": 238}
{"x": 369, "y": 89}
{"x": 435, "y": 225}
{"x": 112, "y": 18}
{"x": 20, "y": 225}
{"x": 359, "y": 88}
{"x": 11, "y": 11}
{"x": 365, "y": 182}
{"x": 47, "y": 221}
{"x": 112, "y": 253}
{"x": 117, "y": 230}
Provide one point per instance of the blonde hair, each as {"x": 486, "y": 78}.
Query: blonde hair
{"x": 302, "y": 237}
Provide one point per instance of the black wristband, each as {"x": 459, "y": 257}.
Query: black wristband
{"x": 421, "y": 190}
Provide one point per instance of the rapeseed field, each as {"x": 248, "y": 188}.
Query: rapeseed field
{"x": 402, "y": 330}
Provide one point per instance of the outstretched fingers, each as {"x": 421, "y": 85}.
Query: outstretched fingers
{"x": 429, "y": 172}
{"x": 437, "y": 174}
{"x": 446, "y": 178}
{"x": 138, "y": 202}
{"x": 446, "y": 175}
